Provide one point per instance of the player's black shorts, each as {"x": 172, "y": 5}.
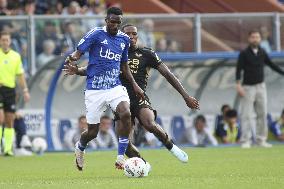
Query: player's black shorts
{"x": 136, "y": 104}
{"x": 8, "y": 99}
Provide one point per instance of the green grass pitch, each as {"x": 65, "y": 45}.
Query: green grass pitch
{"x": 218, "y": 168}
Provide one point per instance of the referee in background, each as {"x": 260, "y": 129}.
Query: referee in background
{"x": 253, "y": 94}
{"x": 10, "y": 69}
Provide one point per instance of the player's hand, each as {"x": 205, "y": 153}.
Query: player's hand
{"x": 138, "y": 91}
{"x": 191, "y": 102}
{"x": 69, "y": 59}
{"x": 27, "y": 96}
{"x": 70, "y": 69}
{"x": 240, "y": 90}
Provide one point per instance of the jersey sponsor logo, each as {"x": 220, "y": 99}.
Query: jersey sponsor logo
{"x": 138, "y": 55}
{"x": 105, "y": 42}
{"x": 109, "y": 55}
{"x": 133, "y": 65}
{"x": 122, "y": 45}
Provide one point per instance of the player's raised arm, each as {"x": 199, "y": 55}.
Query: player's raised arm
{"x": 191, "y": 102}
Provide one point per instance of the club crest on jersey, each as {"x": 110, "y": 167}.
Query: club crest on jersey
{"x": 104, "y": 42}
{"x": 138, "y": 55}
{"x": 122, "y": 45}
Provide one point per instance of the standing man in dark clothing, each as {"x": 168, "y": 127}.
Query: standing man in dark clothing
{"x": 253, "y": 90}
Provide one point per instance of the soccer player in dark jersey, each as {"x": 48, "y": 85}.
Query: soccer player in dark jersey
{"x": 140, "y": 60}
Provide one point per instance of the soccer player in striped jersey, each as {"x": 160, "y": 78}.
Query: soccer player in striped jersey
{"x": 108, "y": 55}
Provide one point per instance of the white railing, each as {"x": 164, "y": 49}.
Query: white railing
{"x": 195, "y": 21}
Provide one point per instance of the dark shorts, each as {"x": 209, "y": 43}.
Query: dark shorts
{"x": 137, "y": 104}
{"x": 8, "y": 99}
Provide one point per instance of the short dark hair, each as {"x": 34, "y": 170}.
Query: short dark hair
{"x": 81, "y": 117}
{"x": 282, "y": 112}
{"x": 5, "y": 33}
{"x": 231, "y": 114}
{"x": 126, "y": 25}
{"x": 224, "y": 107}
{"x": 253, "y": 31}
{"x": 200, "y": 118}
{"x": 114, "y": 10}
{"x": 105, "y": 117}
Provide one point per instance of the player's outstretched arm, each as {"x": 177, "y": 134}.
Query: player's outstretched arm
{"x": 73, "y": 57}
{"x": 127, "y": 74}
{"x": 73, "y": 69}
{"x": 191, "y": 102}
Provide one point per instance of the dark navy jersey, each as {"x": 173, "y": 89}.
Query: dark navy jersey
{"x": 140, "y": 62}
{"x": 106, "y": 52}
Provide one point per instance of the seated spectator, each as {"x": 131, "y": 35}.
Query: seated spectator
{"x": 106, "y": 137}
{"x": 173, "y": 46}
{"x": 199, "y": 134}
{"x": 95, "y": 8}
{"x": 265, "y": 39}
{"x": 146, "y": 35}
{"x": 161, "y": 45}
{"x": 277, "y": 128}
{"x": 47, "y": 54}
{"x": 73, "y": 9}
{"x": 220, "y": 119}
{"x": 229, "y": 129}
{"x": 69, "y": 37}
{"x": 73, "y": 135}
{"x": 49, "y": 32}
{"x": 29, "y": 7}
{"x": 4, "y": 8}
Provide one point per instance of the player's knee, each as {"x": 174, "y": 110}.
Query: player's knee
{"x": 125, "y": 115}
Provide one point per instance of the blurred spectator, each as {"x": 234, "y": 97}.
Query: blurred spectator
{"x": 229, "y": 130}
{"x": 161, "y": 45}
{"x": 151, "y": 140}
{"x": 47, "y": 54}
{"x": 73, "y": 135}
{"x": 58, "y": 8}
{"x": 265, "y": 39}
{"x": 144, "y": 138}
{"x": 106, "y": 137}
{"x": 43, "y": 6}
{"x": 29, "y": 7}
{"x": 72, "y": 9}
{"x": 22, "y": 140}
{"x": 219, "y": 122}
{"x": 3, "y": 8}
{"x": 69, "y": 38}
{"x": 49, "y": 32}
{"x": 277, "y": 127}
{"x": 95, "y": 8}
{"x": 173, "y": 46}
{"x": 24, "y": 55}
{"x": 146, "y": 36}
{"x": 200, "y": 134}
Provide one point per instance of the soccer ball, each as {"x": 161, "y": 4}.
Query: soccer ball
{"x": 39, "y": 145}
{"x": 135, "y": 167}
